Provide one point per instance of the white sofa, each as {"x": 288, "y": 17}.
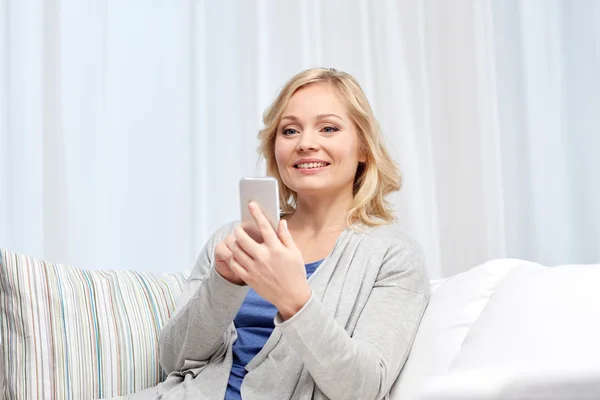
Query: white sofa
{"x": 507, "y": 329}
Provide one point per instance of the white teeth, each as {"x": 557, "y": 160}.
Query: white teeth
{"x": 311, "y": 165}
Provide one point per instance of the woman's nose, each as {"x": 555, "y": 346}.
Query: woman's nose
{"x": 308, "y": 141}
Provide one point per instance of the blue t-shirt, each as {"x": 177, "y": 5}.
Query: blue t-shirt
{"x": 254, "y": 324}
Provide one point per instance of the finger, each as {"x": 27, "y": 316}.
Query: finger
{"x": 241, "y": 256}
{"x": 240, "y": 271}
{"x": 285, "y": 236}
{"x": 222, "y": 252}
{"x": 252, "y": 230}
{"x": 266, "y": 229}
{"x": 246, "y": 243}
{"x": 230, "y": 245}
{"x": 230, "y": 242}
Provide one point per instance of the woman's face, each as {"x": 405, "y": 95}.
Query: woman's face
{"x": 317, "y": 147}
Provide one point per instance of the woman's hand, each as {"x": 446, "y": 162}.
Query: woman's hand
{"x": 223, "y": 256}
{"x": 274, "y": 268}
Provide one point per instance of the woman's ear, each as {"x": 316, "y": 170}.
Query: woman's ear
{"x": 362, "y": 156}
{"x": 362, "y": 149}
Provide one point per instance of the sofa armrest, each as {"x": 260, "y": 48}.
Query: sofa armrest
{"x": 488, "y": 384}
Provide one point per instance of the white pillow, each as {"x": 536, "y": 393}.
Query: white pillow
{"x": 454, "y": 306}
{"x": 508, "y": 328}
{"x": 538, "y": 318}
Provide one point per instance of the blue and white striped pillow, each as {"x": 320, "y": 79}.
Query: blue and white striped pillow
{"x": 69, "y": 333}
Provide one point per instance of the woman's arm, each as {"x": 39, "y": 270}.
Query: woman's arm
{"x": 366, "y": 365}
{"x": 207, "y": 307}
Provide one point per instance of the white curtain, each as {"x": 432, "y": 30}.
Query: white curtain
{"x": 126, "y": 125}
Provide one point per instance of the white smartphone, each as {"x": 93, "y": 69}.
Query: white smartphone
{"x": 265, "y": 192}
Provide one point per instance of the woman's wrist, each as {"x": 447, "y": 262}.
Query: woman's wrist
{"x": 292, "y": 304}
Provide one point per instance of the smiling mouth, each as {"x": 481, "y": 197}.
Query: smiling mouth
{"x": 311, "y": 165}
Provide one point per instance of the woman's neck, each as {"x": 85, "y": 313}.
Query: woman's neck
{"x": 320, "y": 215}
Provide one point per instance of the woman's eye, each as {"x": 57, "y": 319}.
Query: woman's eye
{"x": 289, "y": 131}
{"x": 330, "y": 129}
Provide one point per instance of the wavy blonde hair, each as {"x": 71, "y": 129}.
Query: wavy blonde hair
{"x": 377, "y": 177}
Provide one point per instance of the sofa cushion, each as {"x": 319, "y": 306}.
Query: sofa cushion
{"x": 73, "y": 333}
{"x": 494, "y": 383}
{"x": 509, "y": 316}
{"x": 538, "y": 318}
{"x": 537, "y": 338}
{"x": 453, "y": 308}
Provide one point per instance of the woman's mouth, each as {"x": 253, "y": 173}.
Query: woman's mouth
{"x": 311, "y": 168}
{"x": 311, "y": 165}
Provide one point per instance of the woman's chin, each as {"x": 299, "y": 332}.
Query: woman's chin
{"x": 315, "y": 188}
{"x": 316, "y": 185}
{"x": 310, "y": 188}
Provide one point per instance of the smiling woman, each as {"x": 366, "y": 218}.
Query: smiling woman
{"x": 325, "y": 306}
{"x": 324, "y": 111}
{"x": 315, "y": 151}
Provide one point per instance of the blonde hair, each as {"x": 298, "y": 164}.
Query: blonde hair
{"x": 374, "y": 179}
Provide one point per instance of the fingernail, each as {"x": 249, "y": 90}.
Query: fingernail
{"x": 252, "y": 205}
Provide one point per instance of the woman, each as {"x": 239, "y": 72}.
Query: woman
{"x": 249, "y": 319}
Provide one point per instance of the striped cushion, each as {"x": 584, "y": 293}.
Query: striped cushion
{"x": 72, "y": 333}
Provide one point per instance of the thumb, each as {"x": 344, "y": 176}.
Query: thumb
{"x": 285, "y": 236}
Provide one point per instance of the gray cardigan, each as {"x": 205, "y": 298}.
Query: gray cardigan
{"x": 349, "y": 341}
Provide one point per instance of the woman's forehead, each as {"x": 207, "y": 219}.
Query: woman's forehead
{"x": 315, "y": 101}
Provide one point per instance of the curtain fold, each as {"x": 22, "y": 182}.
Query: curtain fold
{"x": 126, "y": 126}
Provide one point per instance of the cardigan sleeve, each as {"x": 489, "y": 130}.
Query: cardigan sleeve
{"x": 366, "y": 364}
{"x": 207, "y": 307}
